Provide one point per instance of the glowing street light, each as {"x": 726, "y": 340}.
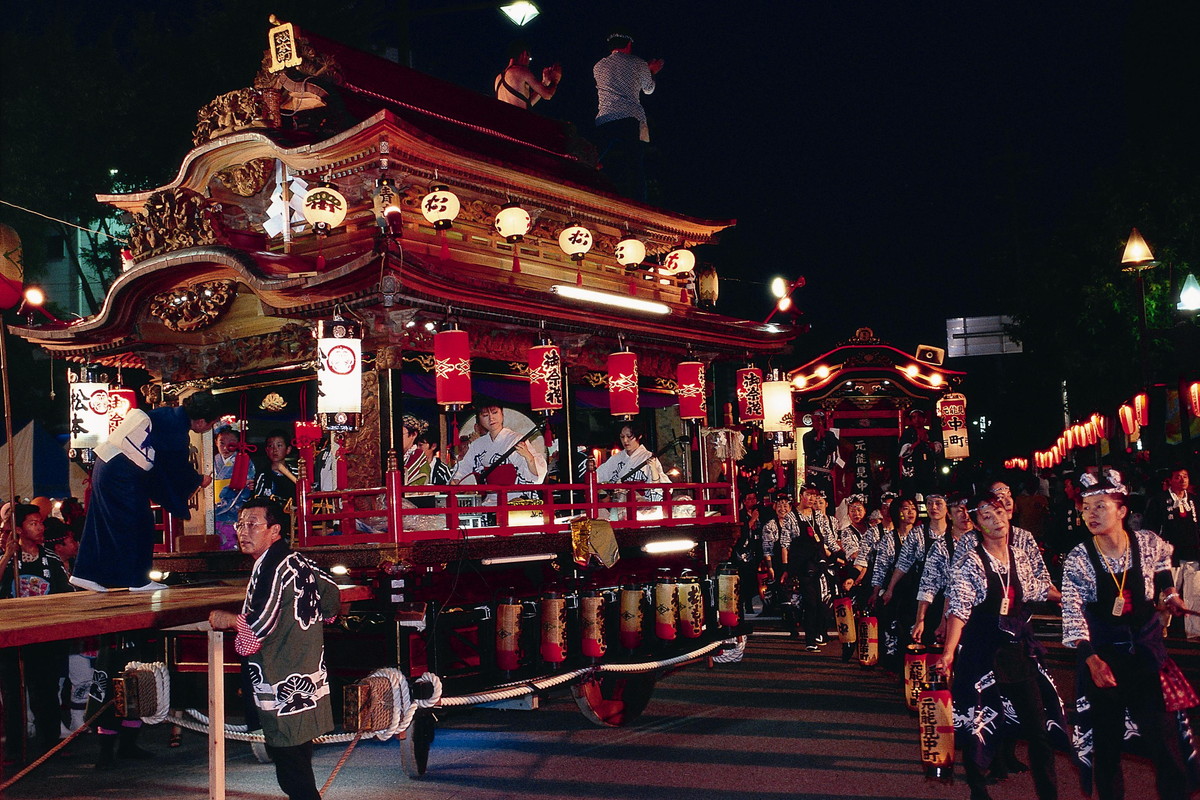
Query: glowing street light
{"x": 1189, "y": 295}
{"x": 521, "y": 12}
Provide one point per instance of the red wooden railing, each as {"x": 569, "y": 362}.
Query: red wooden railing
{"x": 335, "y": 518}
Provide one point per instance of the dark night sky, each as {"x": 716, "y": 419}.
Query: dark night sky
{"x": 896, "y": 157}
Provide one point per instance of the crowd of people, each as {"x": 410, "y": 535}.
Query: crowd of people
{"x": 958, "y": 572}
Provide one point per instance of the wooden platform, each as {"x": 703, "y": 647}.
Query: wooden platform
{"x": 29, "y": 620}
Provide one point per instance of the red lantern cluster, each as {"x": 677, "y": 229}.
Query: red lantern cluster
{"x": 623, "y": 384}
{"x": 452, "y": 367}
{"x": 690, "y": 388}
{"x": 749, "y": 395}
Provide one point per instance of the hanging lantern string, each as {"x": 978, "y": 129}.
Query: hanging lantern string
{"x": 64, "y": 222}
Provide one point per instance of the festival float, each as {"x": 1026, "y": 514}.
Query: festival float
{"x": 351, "y": 247}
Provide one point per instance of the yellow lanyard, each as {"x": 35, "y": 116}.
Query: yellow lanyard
{"x": 1120, "y": 562}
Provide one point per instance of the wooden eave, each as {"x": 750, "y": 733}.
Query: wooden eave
{"x": 412, "y": 152}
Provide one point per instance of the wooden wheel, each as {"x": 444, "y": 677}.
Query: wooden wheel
{"x": 614, "y": 699}
{"x": 414, "y": 747}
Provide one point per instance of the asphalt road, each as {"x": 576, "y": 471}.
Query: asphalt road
{"x": 783, "y": 723}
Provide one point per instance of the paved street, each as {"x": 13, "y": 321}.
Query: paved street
{"x": 783, "y": 723}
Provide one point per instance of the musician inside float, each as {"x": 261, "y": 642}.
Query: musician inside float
{"x": 497, "y": 447}
{"x": 633, "y": 464}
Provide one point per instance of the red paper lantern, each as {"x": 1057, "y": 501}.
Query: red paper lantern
{"x": 1068, "y": 439}
{"x": 1056, "y": 455}
{"x": 1128, "y": 419}
{"x": 452, "y": 367}
{"x": 749, "y": 395}
{"x": 622, "y": 384}
{"x": 689, "y": 386}
{"x": 1141, "y": 407}
{"x": 1193, "y": 396}
{"x": 545, "y": 378}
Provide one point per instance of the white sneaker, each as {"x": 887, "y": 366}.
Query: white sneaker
{"x": 152, "y": 586}
{"x": 84, "y": 583}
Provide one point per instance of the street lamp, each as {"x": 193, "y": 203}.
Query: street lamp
{"x": 521, "y": 12}
{"x": 1189, "y": 295}
{"x": 1136, "y": 259}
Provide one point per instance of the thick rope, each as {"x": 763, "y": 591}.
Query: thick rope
{"x": 162, "y": 689}
{"x": 42, "y": 759}
{"x": 341, "y": 762}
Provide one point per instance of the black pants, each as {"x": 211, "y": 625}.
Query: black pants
{"x": 623, "y": 156}
{"x": 293, "y": 770}
{"x": 1026, "y": 700}
{"x": 1139, "y": 689}
{"x": 44, "y": 664}
{"x": 812, "y": 612}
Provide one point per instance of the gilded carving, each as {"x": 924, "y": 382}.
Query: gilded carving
{"x": 193, "y": 308}
{"x": 291, "y": 344}
{"x": 361, "y": 448}
{"x": 233, "y": 111}
{"x": 247, "y": 180}
{"x": 173, "y": 219}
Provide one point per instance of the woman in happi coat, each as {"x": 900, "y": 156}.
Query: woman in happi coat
{"x": 935, "y": 577}
{"x": 1110, "y": 584}
{"x": 903, "y": 513}
{"x": 999, "y": 683}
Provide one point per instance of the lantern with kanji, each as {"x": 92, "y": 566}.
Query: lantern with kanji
{"x": 678, "y": 261}
{"x": 545, "y": 378}
{"x": 89, "y": 415}
{"x": 777, "y": 407}
{"x": 750, "y": 395}
{"x": 512, "y": 222}
{"x": 689, "y": 386}
{"x": 575, "y": 241}
{"x": 630, "y": 253}
{"x": 440, "y": 207}
{"x": 324, "y": 208}
{"x": 1141, "y": 407}
{"x": 452, "y": 368}
{"x": 120, "y": 403}
{"x": 339, "y": 374}
{"x": 1193, "y": 396}
{"x": 952, "y": 410}
{"x": 623, "y": 384}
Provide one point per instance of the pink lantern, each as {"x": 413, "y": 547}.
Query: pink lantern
{"x": 749, "y": 395}
{"x": 622, "y": 384}
{"x": 1193, "y": 396}
{"x": 689, "y": 386}
{"x": 545, "y": 378}
{"x": 1141, "y": 407}
{"x": 1128, "y": 419}
{"x": 452, "y": 367}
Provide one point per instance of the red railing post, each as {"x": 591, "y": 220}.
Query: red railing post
{"x": 395, "y": 497}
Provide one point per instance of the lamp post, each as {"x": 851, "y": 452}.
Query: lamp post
{"x": 519, "y": 12}
{"x": 1136, "y": 259}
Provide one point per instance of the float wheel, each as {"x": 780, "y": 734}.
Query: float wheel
{"x": 614, "y": 700}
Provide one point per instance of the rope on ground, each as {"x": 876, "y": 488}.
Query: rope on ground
{"x": 45, "y": 756}
{"x": 341, "y": 761}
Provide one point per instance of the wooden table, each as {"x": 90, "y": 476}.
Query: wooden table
{"x": 31, "y": 620}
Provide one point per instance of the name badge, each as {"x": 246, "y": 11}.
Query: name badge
{"x": 1118, "y": 606}
{"x": 1004, "y": 607}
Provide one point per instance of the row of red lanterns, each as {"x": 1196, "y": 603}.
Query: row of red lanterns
{"x": 452, "y": 378}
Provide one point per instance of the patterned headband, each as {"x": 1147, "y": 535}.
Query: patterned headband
{"x": 1112, "y": 484}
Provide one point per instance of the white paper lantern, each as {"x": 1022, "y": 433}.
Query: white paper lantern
{"x": 339, "y": 369}
{"x": 512, "y": 222}
{"x": 575, "y": 241}
{"x": 777, "y": 407}
{"x": 440, "y": 206}
{"x": 630, "y": 252}
{"x": 678, "y": 261}
{"x": 89, "y": 414}
{"x": 324, "y": 208}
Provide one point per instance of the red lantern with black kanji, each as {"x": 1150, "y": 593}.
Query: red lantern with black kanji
{"x": 1141, "y": 407}
{"x": 545, "y": 378}
{"x": 689, "y": 386}
{"x": 1128, "y": 419}
{"x": 452, "y": 367}
{"x": 749, "y": 395}
{"x": 622, "y": 384}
